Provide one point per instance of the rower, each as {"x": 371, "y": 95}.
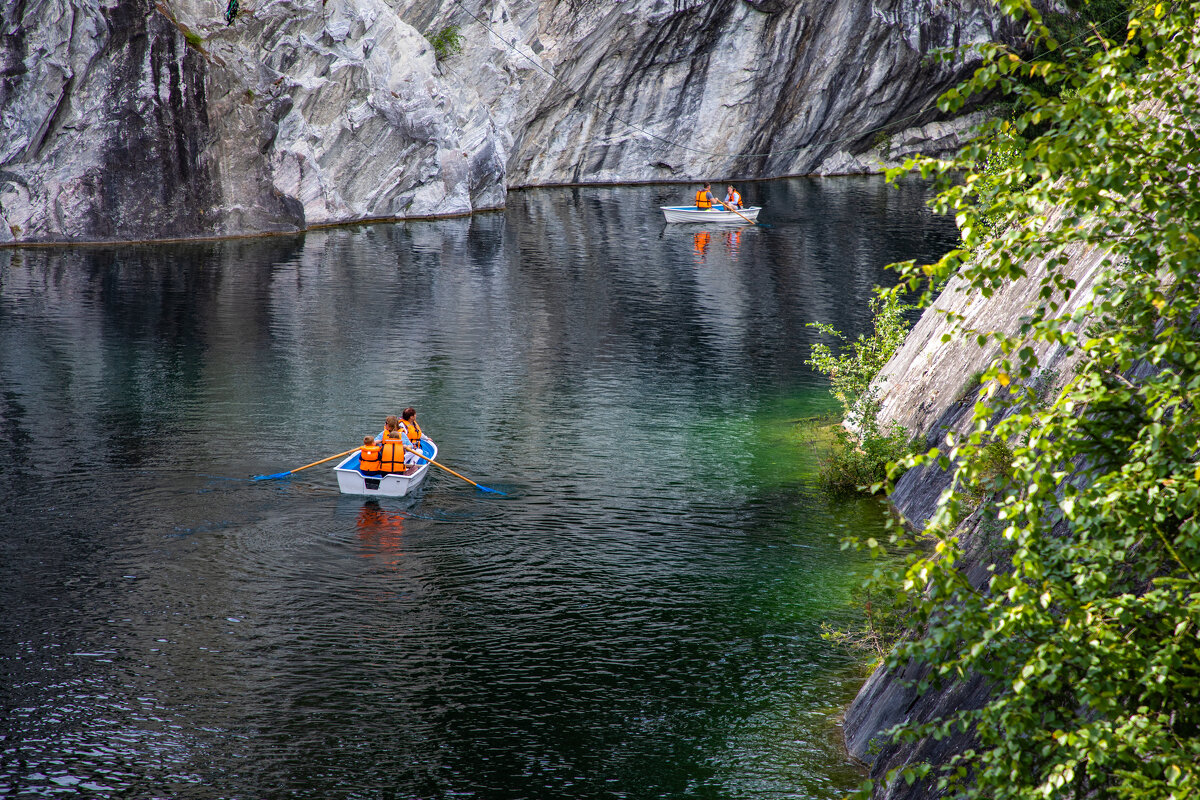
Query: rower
{"x": 704, "y": 198}
{"x": 732, "y": 197}
{"x": 391, "y": 449}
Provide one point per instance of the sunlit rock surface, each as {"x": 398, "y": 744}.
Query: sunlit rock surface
{"x": 730, "y": 88}
{"x": 134, "y": 119}
{"x": 930, "y": 386}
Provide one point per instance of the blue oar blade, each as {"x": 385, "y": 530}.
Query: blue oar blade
{"x": 271, "y": 477}
{"x": 493, "y": 491}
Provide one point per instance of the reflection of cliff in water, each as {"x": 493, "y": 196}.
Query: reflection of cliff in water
{"x": 566, "y": 290}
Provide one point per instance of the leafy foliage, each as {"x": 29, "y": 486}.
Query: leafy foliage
{"x": 446, "y": 42}
{"x": 850, "y": 372}
{"x": 998, "y": 160}
{"x": 1086, "y": 24}
{"x": 1088, "y": 626}
{"x": 856, "y": 462}
{"x": 886, "y": 611}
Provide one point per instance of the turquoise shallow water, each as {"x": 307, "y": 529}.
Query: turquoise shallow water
{"x": 638, "y": 617}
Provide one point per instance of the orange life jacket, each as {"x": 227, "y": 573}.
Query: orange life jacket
{"x": 414, "y": 432}
{"x": 735, "y": 200}
{"x": 702, "y": 200}
{"x": 369, "y": 456}
{"x": 391, "y": 453}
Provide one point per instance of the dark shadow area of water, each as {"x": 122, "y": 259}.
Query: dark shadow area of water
{"x": 640, "y": 617}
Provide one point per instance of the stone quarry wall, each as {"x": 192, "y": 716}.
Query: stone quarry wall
{"x": 931, "y": 387}
{"x": 143, "y": 119}
{"x": 130, "y": 119}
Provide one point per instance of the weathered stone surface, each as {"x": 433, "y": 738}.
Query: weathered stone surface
{"x": 137, "y": 120}
{"x": 105, "y": 121}
{"x": 129, "y": 119}
{"x": 937, "y": 139}
{"x": 710, "y": 84}
{"x": 930, "y": 386}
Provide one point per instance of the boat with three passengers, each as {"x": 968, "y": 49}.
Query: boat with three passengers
{"x": 353, "y": 479}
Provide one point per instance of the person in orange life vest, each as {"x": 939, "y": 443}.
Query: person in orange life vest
{"x": 392, "y": 423}
{"x": 368, "y": 460}
{"x": 410, "y": 432}
{"x": 704, "y": 198}
{"x": 391, "y": 447}
{"x": 733, "y": 198}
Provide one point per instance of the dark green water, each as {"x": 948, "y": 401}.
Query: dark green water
{"x": 640, "y": 615}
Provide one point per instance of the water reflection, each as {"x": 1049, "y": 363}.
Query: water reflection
{"x": 639, "y": 617}
{"x": 381, "y": 532}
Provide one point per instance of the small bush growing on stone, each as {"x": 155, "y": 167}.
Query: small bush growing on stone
{"x": 853, "y": 464}
{"x": 886, "y": 608}
{"x": 446, "y": 42}
{"x": 857, "y": 462}
{"x": 992, "y": 467}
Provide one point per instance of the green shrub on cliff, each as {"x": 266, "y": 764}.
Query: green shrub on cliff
{"x": 1088, "y": 628}
{"x": 852, "y": 464}
{"x": 856, "y": 462}
{"x": 851, "y": 370}
{"x": 446, "y": 42}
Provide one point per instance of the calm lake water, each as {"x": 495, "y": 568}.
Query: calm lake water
{"x": 639, "y": 616}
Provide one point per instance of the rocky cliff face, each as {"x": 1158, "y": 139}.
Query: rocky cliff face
{"x": 736, "y": 88}
{"x": 133, "y": 119}
{"x": 930, "y": 386}
{"x": 147, "y": 120}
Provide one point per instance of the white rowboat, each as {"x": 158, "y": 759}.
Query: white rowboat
{"x": 373, "y": 484}
{"x": 712, "y": 215}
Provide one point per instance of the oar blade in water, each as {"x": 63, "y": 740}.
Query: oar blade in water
{"x": 272, "y": 477}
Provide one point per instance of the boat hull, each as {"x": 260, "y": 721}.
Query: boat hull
{"x": 742, "y": 216}
{"x": 394, "y": 484}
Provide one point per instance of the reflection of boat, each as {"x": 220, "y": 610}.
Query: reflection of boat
{"x": 381, "y": 532}
{"x": 711, "y": 215}
{"x": 351, "y": 480}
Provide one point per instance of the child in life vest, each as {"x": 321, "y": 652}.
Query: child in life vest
{"x": 368, "y": 460}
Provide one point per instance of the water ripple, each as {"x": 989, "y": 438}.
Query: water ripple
{"x": 639, "y": 615}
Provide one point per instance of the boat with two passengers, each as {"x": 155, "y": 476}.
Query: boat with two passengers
{"x": 352, "y": 480}
{"x": 712, "y": 215}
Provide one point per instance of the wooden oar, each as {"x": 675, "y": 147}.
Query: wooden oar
{"x": 740, "y": 214}
{"x": 419, "y": 454}
{"x": 306, "y": 466}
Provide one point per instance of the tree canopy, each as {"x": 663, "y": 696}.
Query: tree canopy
{"x": 1087, "y": 629}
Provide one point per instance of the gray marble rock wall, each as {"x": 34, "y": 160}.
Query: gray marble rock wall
{"x": 930, "y": 386}
{"x": 105, "y": 123}
{"x": 806, "y": 84}
{"x": 135, "y": 119}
